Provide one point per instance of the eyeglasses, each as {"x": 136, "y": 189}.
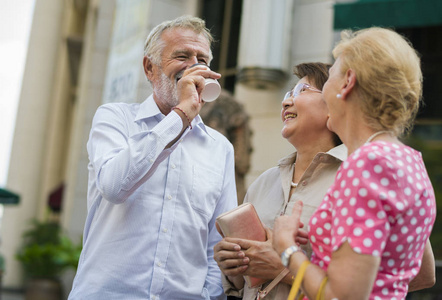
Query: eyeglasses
{"x": 299, "y": 88}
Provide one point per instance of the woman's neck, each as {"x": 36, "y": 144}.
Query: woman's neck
{"x": 356, "y": 139}
{"x": 305, "y": 155}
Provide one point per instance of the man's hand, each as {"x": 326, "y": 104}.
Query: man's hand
{"x": 190, "y": 87}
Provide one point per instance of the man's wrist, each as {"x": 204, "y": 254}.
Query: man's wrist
{"x": 183, "y": 113}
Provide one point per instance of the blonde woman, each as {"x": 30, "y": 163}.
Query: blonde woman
{"x": 370, "y": 234}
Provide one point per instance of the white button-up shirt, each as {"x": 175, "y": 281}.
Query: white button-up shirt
{"x": 150, "y": 229}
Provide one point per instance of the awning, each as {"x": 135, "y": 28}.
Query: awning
{"x": 8, "y": 197}
{"x": 388, "y": 13}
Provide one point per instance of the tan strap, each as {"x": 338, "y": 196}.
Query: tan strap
{"x": 262, "y": 293}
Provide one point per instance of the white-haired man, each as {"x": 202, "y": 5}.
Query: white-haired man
{"x": 158, "y": 178}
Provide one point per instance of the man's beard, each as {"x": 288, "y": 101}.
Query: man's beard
{"x": 166, "y": 91}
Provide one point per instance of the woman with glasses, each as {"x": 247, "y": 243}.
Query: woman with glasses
{"x": 370, "y": 234}
{"x": 303, "y": 175}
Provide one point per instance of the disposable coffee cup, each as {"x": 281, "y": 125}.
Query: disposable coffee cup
{"x": 211, "y": 91}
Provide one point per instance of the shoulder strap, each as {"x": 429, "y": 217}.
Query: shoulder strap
{"x": 262, "y": 293}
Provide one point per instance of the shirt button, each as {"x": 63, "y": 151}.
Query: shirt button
{"x": 154, "y": 298}
{"x": 151, "y": 160}
{"x": 169, "y": 197}
{"x": 173, "y": 166}
{"x": 158, "y": 264}
{"x": 304, "y": 182}
{"x": 164, "y": 230}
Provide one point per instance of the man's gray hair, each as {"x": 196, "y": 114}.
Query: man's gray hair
{"x": 153, "y": 46}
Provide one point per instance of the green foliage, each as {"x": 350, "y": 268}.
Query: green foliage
{"x": 46, "y": 252}
{"x": 2, "y": 264}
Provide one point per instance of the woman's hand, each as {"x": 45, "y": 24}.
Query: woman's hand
{"x": 231, "y": 261}
{"x": 302, "y": 236}
{"x": 264, "y": 261}
{"x": 286, "y": 229}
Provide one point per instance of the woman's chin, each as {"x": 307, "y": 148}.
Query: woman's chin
{"x": 286, "y": 133}
{"x": 329, "y": 125}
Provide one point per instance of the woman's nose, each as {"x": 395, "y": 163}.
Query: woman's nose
{"x": 287, "y": 102}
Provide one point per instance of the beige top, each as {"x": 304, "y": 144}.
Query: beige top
{"x": 270, "y": 192}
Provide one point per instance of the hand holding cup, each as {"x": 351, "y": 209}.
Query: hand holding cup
{"x": 212, "y": 89}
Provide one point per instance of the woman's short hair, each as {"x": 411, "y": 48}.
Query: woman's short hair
{"x": 317, "y": 75}
{"x": 316, "y": 72}
{"x": 388, "y": 76}
{"x": 153, "y": 47}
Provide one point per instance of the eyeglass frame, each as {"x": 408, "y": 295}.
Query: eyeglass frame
{"x": 299, "y": 88}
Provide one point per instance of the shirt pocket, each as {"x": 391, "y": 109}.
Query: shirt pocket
{"x": 206, "y": 190}
{"x": 307, "y": 213}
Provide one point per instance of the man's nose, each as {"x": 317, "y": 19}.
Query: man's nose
{"x": 192, "y": 61}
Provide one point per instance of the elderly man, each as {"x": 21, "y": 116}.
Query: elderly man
{"x": 158, "y": 178}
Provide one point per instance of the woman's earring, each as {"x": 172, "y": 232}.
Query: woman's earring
{"x": 339, "y": 96}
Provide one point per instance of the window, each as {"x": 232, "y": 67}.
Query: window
{"x": 223, "y": 18}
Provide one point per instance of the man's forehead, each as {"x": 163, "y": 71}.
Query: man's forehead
{"x": 176, "y": 42}
{"x": 179, "y": 34}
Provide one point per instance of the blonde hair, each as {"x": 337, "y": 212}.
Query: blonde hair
{"x": 153, "y": 47}
{"x": 388, "y": 76}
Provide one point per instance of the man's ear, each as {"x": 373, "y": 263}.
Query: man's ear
{"x": 349, "y": 84}
{"x": 148, "y": 66}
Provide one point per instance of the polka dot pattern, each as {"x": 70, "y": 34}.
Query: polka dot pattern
{"x": 382, "y": 203}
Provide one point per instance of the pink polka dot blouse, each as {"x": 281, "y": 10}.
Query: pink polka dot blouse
{"x": 382, "y": 202}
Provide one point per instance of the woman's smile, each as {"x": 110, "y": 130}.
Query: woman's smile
{"x": 289, "y": 116}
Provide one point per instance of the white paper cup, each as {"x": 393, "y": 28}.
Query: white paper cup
{"x": 211, "y": 91}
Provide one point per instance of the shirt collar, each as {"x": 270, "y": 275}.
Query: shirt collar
{"x": 288, "y": 160}
{"x": 339, "y": 152}
{"x": 198, "y": 122}
{"x": 148, "y": 108}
